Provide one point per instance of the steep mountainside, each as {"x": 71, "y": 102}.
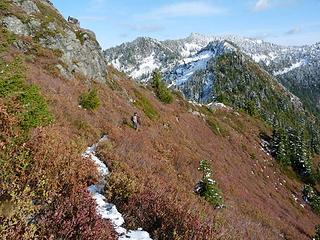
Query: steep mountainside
{"x": 54, "y": 104}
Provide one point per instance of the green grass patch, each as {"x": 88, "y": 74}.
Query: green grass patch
{"x": 144, "y": 104}
{"x": 36, "y": 109}
{"x": 13, "y": 86}
{"x": 6, "y": 39}
{"x": 216, "y": 127}
{"x": 89, "y": 100}
{"x": 4, "y": 5}
{"x": 80, "y": 36}
{"x": 50, "y": 15}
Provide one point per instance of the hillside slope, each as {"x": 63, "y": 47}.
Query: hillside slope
{"x": 153, "y": 170}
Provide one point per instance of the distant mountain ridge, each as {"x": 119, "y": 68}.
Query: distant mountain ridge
{"x": 297, "y": 68}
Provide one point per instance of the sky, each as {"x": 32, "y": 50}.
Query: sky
{"x": 285, "y": 22}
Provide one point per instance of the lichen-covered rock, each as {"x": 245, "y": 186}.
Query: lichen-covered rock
{"x": 52, "y": 27}
{"x": 15, "y": 25}
{"x": 64, "y": 73}
{"x": 82, "y": 58}
{"x": 34, "y": 26}
{"x": 81, "y": 53}
{"x": 28, "y": 6}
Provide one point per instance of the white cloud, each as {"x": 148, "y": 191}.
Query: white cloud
{"x": 293, "y": 31}
{"x": 261, "y": 5}
{"x": 185, "y": 9}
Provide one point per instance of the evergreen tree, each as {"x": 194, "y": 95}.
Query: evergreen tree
{"x": 290, "y": 148}
{"x": 300, "y": 158}
{"x": 280, "y": 146}
{"x": 207, "y": 188}
{"x": 161, "y": 90}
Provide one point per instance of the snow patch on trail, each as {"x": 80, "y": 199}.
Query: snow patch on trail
{"x": 108, "y": 210}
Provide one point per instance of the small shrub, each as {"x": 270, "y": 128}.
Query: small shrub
{"x": 89, "y": 100}
{"x": 80, "y": 36}
{"x": 162, "y": 92}
{"x": 120, "y": 187}
{"x": 253, "y": 156}
{"x": 77, "y": 214}
{"x": 144, "y": 104}
{"x": 207, "y": 188}
{"x": 6, "y": 39}
{"x": 164, "y": 218}
{"x": 214, "y": 126}
{"x": 4, "y": 5}
{"x": 13, "y": 86}
{"x": 36, "y": 110}
{"x": 80, "y": 125}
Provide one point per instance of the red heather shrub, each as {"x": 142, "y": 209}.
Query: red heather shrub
{"x": 164, "y": 218}
{"x": 70, "y": 212}
{"x": 75, "y": 217}
{"x": 43, "y": 189}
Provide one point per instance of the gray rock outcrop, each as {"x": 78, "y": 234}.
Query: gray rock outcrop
{"x": 81, "y": 53}
{"x": 14, "y": 24}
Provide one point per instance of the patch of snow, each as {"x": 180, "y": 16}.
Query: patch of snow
{"x": 288, "y": 69}
{"x": 260, "y": 57}
{"x": 139, "y": 235}
{"x": 195, "y": 103}
{"x": 190, "y": 65}
{"x": 147, "y": 66}
{"x": 272, "y": 55}
{"x": 295, "y": 198}
{"x": 116, "y": 63}
{"x": 217, "y": 105}
{"x": 189, "y": 49}
{"x": 108, "y": 210}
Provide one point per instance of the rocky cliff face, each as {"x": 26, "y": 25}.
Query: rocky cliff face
{"x": 79, "y": 51}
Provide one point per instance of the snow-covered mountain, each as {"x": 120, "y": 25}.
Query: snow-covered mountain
{"x": 140, "y": 57}
{"x": 184, "y": 60}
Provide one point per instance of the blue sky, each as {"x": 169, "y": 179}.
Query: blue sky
{"x": 287, "y": 22}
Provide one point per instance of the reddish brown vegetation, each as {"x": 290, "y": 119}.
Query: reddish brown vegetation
{"x": 165, "y": 154}
{"x": 43, "y": 183}
{"x": 165, "y": 217}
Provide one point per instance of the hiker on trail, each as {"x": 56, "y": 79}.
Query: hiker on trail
{"x": 135, "y": 121}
